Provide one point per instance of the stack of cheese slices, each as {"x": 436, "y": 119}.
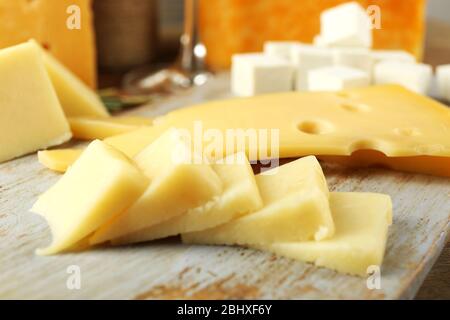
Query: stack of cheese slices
{"x": 340, "y": 58}
{"x": 167, "y": 189}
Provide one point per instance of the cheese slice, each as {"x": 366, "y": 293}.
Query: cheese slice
{"x": 31, "y": 117}
{"x": 240, "y": 196}
{"x": 91, "y": 128}
{"x": 180, "y": 180}
{"x": 102, "y": 183}
{"x": 295, "y": 198}
{"x": 388, "y": 119}
{"x": 46, "y": 21}
{"x": 359, "y": 242}
{"x": 59, "y": 160}
{"x": 76, "y": 98}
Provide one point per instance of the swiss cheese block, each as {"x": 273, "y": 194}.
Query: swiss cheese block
{"x": 295, "y": 198}
{"x": 180, "y": 180}
{"x": 59, "y": 160}
{"x": 90, "y": 128}
{"x": 31, "y": 117}
{"x": 359, "y": 242}
{"x": 102, "y": 183}
{"x": 47, "y": 22}
{"x": 76, "y": 98}
{"x": 240, "y": 196}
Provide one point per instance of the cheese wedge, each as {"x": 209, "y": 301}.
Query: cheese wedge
{"x": 362, "y": 221}
{"x": 388, "y": 119}
{"x": 101, "y": 183}
{"x": 180, "y": 180}
{"x": 76, "y": 98}
{"x": 295, "y": 198}
{"x": 59, "y": 160}
{"x": 240, "y": 196}
{"x": 91, "y": 128}
{"x": 31, "y": 117}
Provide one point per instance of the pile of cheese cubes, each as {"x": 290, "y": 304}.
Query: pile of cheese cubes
{"x": 168, "y": 189}
{"x": 340, "y": 58}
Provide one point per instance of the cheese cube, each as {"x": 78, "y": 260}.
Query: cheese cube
{"x": 358, "y": 58}
{"x": 240, "y": 196}
{"x": 295, "y": 198}
{"x": 59, "y": 160}
{"x": 280, "y": 49}
{"x": 180, "y": 180}
{"x": 443, "y": 79}
{"x": 318, "y": 41}
{"x": 31, "y": 116}
{"x": 414, "y": 76}
{"x": 307, "y": 58}
{"x": 337, "y": 78}
{"x": 359, "y": 242}
{"x": 346, "y": 25}
{"x": 77, "y": 99}
{"x": 392, "y": 55}
{"x": 90, "y": 128}
{"x": 253, "y": 74}
{"x": 101, "y": 184}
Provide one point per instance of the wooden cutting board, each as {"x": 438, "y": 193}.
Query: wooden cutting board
{"x": 168, "y": 269}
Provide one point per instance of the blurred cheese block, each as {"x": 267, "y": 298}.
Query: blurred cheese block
{"x": 59, "y": 160}
{"x": 336, "y": 78}
{"x": 91, "y": 128}
{"x": 296, "y": 208}
{"x": 31, "y": 117}
{"x": 358, "y": 245}
{"x": 229, "y": 27}
{"x": 413, "y": 76}
{"x": 280, "y": 49}
{"x": 46, "y": 21}
{"x": 180, "y": 180}
{"x": 358, "y": 58}
{"x": 256, "y": 73}
{"x": 307, "y": 58}
{"x": 101, "y": 184}
{"x": 240, "y": 196}
{"x": 443, "y": 79}
{"x": 76, "y": 98}
{"x": 392, "y": 55}
{"x": 347, "y": 25}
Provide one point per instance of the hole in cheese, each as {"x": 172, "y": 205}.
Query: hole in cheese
{"x": 356, "y": 107}
{"x": 367, "y": 144}
{"x": 315, "y": 127}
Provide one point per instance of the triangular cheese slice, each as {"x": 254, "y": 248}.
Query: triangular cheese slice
{"x": 240, "y": 196}
{"x": 295, "y": 198}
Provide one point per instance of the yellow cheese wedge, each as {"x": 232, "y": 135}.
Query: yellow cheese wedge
{"x": 240, "y": 196}
{"x": 91, "y": 128}
{"x": 296, "y": 208}
{"x": 59, "y": 160}
{"x": 76, "y": 98}
{"x": 101, "y": 183}
{"x": 180, "y": 180}
{"x": 31, "y": 117}
{"x": 362, "y": 221}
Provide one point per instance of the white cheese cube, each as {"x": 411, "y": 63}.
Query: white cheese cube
{"x": 307, "y": 58}
{"x": 358, "y": 58}
{"x": 254, "y": 73}
{"x": 443, "y": 79}
{"x": 336, "y": 78}
{"x": 392, "y": 55}
{"x": 280, "y": 49}
{"x": 346, "y": 25}
{"x": 318, "y": 41}
{"x": 414, "y": 76}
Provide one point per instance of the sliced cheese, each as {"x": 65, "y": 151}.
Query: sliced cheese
{"x": 102, "y": 183}
{"x": 59, "y": 160}
{"x": 240, "y": 196}
{"x": 91, "y": 128}
{"x": 359, "y": 242}
{"x": 76, "y": 98}
{"x": 31, "y": 117}
{"x": 295, "y": 198}
{"x": 180, "y": 180}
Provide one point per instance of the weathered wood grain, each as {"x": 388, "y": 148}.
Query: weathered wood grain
{"x": 168, "y": 269}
